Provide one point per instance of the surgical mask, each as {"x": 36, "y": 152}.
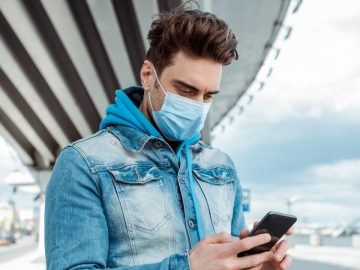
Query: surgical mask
{"x": 179, "y": 118}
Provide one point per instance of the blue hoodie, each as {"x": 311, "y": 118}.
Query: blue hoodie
{"x": 125, "y": 112}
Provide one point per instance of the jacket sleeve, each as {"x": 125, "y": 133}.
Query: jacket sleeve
{"x": 76, "y": 232}
{"x": 238, "y": 220}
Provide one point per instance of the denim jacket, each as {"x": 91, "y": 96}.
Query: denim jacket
{"x": 120, "y": 200}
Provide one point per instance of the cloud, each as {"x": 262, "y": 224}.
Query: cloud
{"x": 316, "y": 73}
{"x": 345, "y": 171}
{"x": 300, "y": 135}
{"x": 328, "y": 193}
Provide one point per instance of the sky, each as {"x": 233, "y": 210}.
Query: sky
{"x": 301, "y": 136}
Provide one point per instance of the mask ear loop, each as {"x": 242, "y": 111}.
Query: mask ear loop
{"x": 157, "y": 79}
{"x": 152, "y": 109}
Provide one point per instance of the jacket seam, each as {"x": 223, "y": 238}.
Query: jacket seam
{"x": 83, "y": 156}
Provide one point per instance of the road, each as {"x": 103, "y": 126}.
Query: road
{"x": 22, "y": 246}
{"x": 302, "y": 265}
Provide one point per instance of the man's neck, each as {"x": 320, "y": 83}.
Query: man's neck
{"x": 144, "y": 109}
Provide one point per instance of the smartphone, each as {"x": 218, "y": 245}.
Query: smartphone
{"x": 274, "y": 223}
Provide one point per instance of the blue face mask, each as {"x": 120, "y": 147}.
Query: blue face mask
{"x": 179, "y": 118}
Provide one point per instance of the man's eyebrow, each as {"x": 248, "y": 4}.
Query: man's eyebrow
{"x": 191, "y": 87}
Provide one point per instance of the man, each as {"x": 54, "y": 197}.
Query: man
{"x": 145, "y": 192}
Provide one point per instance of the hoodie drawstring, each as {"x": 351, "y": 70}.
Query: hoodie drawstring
{"x": 192, "y": 188}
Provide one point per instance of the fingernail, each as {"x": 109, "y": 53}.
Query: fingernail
{"x": 283, "y": 265}
{"x": 278, "y": 256}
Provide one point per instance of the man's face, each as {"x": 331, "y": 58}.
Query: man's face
{"x": 194, "y": 78}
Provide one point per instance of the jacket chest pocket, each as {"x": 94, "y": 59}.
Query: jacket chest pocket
{"x": 217, "y": 186}
{"x": 142, "y": 197}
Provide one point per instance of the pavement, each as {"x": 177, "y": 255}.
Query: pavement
{"x": 345, "y": 257}
{"x": 22, "y": 255}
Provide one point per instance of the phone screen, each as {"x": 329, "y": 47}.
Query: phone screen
{"x": 273, "y": 223}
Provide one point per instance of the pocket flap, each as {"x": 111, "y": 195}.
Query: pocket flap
{"x": 136, "y": 173}
{"x": 216, "y": 175}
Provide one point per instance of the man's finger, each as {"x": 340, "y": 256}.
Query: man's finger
{"x": 244, "y": 233}
{"x": 290, "y": 232}
{"x": 257, "y": 267}
{"x": 218, "y": 238}
{"x": 286, "y": 263}
{"x": 254, "y": 260}
{"x": 249, "y": 243}
{"x": 281, "y": 249}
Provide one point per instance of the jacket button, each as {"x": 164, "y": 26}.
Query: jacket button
{"x": 191, "y": 224}
{"x": 158, "y": 144}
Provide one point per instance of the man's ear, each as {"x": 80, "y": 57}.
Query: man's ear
{"x": 146, "y": 75}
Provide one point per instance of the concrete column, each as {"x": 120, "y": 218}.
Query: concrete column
{"x": 42, "y": 177}
{"x": 355, "y": 240}
{"x": 316, "y": 239}
{"x": 41, "y": 243}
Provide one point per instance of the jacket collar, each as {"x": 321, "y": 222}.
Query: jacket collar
{"x": 131, "y": 138}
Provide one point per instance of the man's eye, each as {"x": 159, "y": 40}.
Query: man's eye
{"x": 186, "y": 91}
{"x": 208, "y": 97}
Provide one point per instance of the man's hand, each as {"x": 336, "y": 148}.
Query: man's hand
{"x": 219, "y": 251}
{"x": 281, "y": 260}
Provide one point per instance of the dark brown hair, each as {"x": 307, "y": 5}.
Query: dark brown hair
{"x": 197, "y": 33}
